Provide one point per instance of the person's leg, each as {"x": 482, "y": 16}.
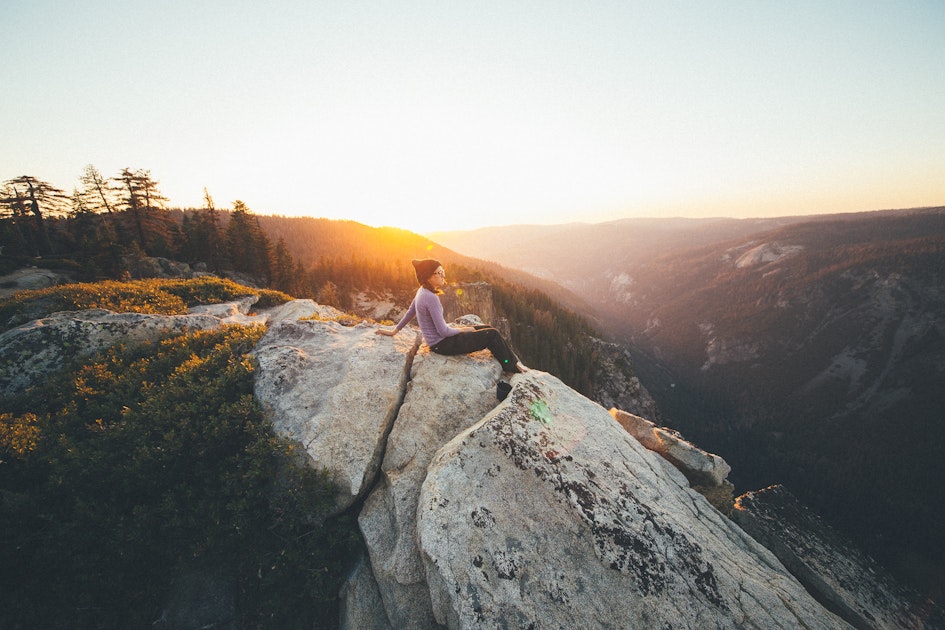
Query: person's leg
{"x": 502, "y": 352}
{"x": 484, "y": 337}
{"x": 463, "y": 343}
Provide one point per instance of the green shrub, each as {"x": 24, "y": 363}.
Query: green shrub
{"x": 121, "y": 477}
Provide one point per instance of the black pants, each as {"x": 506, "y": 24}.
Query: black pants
{"x": 484, "y": 337}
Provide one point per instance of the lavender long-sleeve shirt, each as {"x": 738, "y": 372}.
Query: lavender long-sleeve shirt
{"x": 428, "y": 310}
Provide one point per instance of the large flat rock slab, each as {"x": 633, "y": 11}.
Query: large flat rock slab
{"x": 446, "y": 396}
{"x": 547, "y": 514}
{"x": 336, "y": 391}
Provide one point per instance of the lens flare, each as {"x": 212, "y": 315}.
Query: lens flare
{"x": 539, "y": 411}
{"x": 556, "y": 440}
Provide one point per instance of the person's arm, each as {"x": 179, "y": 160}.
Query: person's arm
{"x": 409, "y": 315}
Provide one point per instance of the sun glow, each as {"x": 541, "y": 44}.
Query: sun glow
{"x": 450, "y": 116}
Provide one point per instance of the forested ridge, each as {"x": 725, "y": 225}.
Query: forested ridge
{"x": 108, "y": 226}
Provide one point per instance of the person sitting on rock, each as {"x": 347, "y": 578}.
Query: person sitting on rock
{"x": 442, "y": 337}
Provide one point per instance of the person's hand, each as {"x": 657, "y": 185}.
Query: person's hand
{"x": 385, "y": 332}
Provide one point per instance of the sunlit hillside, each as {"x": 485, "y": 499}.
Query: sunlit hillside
{"x": 124, "y": 233}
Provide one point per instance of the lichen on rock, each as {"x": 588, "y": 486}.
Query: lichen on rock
{"x": 562, "y": 519}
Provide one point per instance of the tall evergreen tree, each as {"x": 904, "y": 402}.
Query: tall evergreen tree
{"x": 203, "y": 237}
{"x": 133, "y": 202}
{"x": 248, "y": 246}
{"x": 215, "y": 256}
{"x": 97, "y": 195}
{"x": 17, "y": 226}
{"x": 28, "y": 197}
{"x": 283, "y": 269}
{"x": 153, "y": 229}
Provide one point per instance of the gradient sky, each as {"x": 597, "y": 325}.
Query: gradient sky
{"x": 434, "y": 115}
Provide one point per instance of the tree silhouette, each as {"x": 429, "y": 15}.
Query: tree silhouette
{"x": 283, "y": 269}
{"x": 152, "y": 227}
{"x": 249, "y": 248}
{"x": 28, "y": 198}
{"x": 96, "y": 195}
{"x": 204, "y": 237}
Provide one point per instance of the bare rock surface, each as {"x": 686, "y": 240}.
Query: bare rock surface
{"x": 615, "y": 382}
{"x": 336, "y": 391}
{"x": 300, "y": 309}
{"x": 699, "y": 466}
{"x": 239, "y": 311}
{"x": 235, "y": 312}
{"x": 547, "y": 514}
{"x": 845, "y": 579}
{"x": 446, "y": 396}
{"x": 361, "y": 605}
{"x": 27, "y": 279}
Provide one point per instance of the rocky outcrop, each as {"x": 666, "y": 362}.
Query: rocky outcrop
{"x": 547, "y": 514}
{"x": 537, "y": 510}
{"x": 235, "y": 312}
{"x": 361, "y": 605}
{"x": 29, "y": 278}
{"x": 616, "y": 383}
{"x": 300, "y": 309}
{"x": 473, "y": 297}
{"x": 29, "y": 352}
{"x": 707, "y": 472}
{"x": 157, "y": 267}
{"x": 446, "y": 395}
{"x": 830, "y": 566}
{"x": 700, "y": 467}
{"x": 336, "y": 391}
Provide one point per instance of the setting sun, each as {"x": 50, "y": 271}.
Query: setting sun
{"x": 438, "y": 117}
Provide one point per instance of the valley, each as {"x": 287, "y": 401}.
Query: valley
{"x": 808, "y": 351}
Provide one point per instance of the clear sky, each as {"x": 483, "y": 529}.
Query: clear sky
{"x": 437, "y": 114}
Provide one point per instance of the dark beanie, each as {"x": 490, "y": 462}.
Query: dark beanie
{"x": 425, "y": 268}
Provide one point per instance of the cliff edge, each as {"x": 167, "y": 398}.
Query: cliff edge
{"x": 539, "y": 511}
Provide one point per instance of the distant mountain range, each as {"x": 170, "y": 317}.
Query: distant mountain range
{"x": 808, "y": 351}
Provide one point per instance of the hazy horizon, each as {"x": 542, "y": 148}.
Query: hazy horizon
{"x": 440, "y": 116}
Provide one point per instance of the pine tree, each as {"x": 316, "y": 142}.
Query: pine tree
{"x": 283, "y": 269}
{"x": 203, "y": 237}
{"x": 31, "y": 202}
{"x": 248, "y": 246}
{"x": 152, "y": 227}
{"x": 96, "y": 194}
